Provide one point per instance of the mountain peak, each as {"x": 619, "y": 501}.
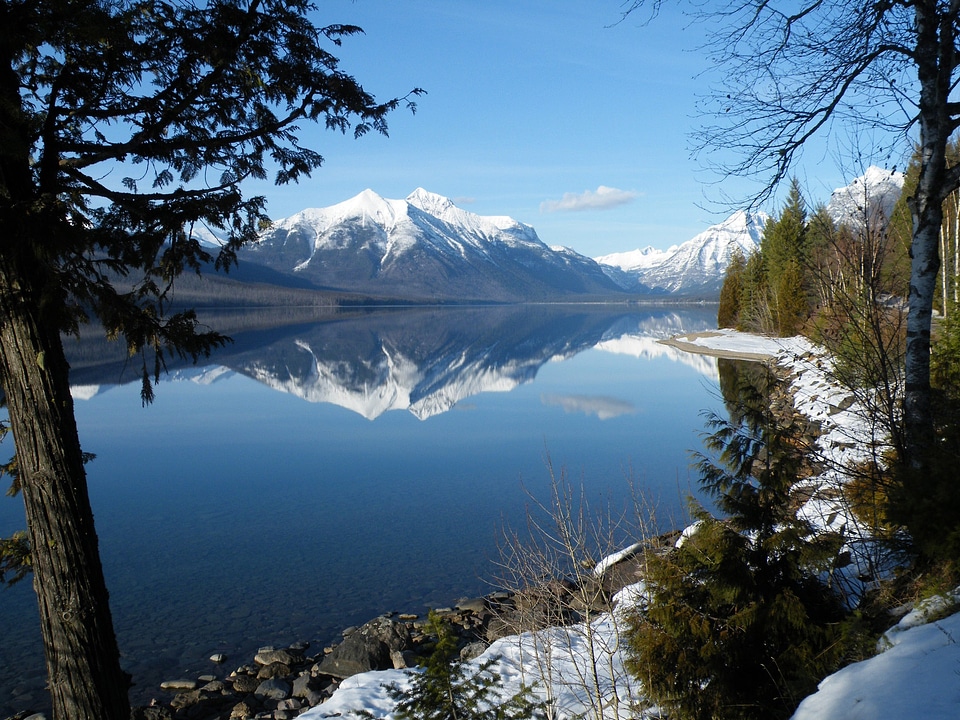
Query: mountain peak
{"x": 429, "y": 202}
{"x": 877, "y": 190}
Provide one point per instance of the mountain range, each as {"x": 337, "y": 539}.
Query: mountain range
{"x": 426, "y": 249}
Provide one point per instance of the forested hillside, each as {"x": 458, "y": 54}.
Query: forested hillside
{"x": 844, "y": 285}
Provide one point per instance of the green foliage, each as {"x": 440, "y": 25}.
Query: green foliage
{"x": 728, "y": 314}
{"x": 448, "y": 689}
{"x": 738, "y": 623}
{"x": 15, "y": 559}
{"x": 136, "y": 125}
{"x": 790, "y": 300}
{"x": 784, "y": 253}
{"x": 945, "y": 355}
{"x": 925, "y": 501}
{"x": 754, "y": 305}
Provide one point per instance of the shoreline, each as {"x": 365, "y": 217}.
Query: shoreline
{"x": 691, "y": 343}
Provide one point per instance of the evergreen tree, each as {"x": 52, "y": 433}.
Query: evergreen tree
{"x": 728, "y": 314}
{"x": 784, "y": 254}
{"x": 448, "y": 689}
{"x": 754, "y": 303}
{"x": 124, "y": 126}
{"x": 737, "y": 623}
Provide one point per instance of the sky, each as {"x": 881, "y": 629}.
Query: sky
{"x": 548, "y": 111}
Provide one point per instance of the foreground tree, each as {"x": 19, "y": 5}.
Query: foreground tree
{"x": 448, "y": 688}
{"x": 96, "y": 99}
{"x": 797, "y": 70}
{"x": 737, "y": 621}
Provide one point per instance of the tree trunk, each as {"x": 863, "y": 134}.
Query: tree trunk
{"x": 83, "y": 661}
{"x": 935, "y": 63}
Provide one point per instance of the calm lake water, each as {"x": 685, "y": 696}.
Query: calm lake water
{"x": 314, "y": 475}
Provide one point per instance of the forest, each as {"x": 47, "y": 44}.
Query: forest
{"x": 752, "y": 585}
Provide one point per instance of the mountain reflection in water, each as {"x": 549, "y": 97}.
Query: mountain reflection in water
{"x": 426, "y": 360}
{"x": 232, "y": 516}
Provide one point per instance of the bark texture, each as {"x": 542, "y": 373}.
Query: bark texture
{"x": 935, "y": 58}
{"x": 83, "y": 662}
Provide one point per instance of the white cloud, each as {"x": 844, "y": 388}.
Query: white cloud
{"x": 601, "y": 406}
{"x": 603, "y": 198}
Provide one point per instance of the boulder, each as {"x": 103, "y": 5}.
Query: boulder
{"x": 245, "y": 683}
{"x": 274, "y": 669}
{"x": 303, "y": 686}
{"x": 477, "y": 606}
{"x": 367, "y": 648}
{"x": 178, "y": 685}
{"x": 473, "y": 650}
{"x": 286, "y": 657}
{"x": 273, "y": 689}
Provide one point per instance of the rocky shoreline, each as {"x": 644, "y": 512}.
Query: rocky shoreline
{"x": 280, "y": 683}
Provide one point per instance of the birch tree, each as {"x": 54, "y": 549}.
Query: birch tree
{"x": 791, "y": 72}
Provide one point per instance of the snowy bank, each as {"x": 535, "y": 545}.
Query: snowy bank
{"x": 580, "y": 668}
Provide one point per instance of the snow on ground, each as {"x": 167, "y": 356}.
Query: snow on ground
{"x": 915, "y": 676}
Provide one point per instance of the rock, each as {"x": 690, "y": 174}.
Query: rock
{"x": 214, "y": 686}
{"x": 185, "y": 699}
{"x": 245, "y": 683}
{"x": 241, "y": 711}
{"x": 274, "y": 669}
{"x": 478, "y": 606}
{"x": 218, "y": 658}
{"x": 474, "y": 649}
{"x": 289, "y": 704}
{"x": 368, "y": 648}
{"x": 398, "y": 660}
{"x": 178, "y": 685}
{"x": 360, "y": 653}
{"x": 267, "y": 657}
{"x": 273, "y": 689}
{"x": 315, "y": 697}
{"x": 302, "y": 686}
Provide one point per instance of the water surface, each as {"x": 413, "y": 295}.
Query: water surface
{"x": 315, "y": 474}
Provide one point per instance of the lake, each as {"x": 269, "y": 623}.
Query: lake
{"x": 313, "y": 475}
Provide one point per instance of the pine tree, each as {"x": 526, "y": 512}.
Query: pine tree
{"x": 448, "y": 689}
{"x": 728, "y": 314}
{"x": 784, "y": 253}
{"x": 754, "y": 302}
{"x": 737, "y": 623}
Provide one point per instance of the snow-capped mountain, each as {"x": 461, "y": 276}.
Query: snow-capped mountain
{"x": 695, "y": 267}
{"x": 876, "y": 191}
{"x": 423, "y": 247}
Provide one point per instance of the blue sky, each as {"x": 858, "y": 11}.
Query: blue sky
{"x": 548, "y": 111}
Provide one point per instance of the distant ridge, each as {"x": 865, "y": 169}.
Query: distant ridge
{"x": 696, "y": 267}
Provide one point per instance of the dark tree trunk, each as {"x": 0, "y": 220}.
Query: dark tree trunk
{"x": 83, "y": 662}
